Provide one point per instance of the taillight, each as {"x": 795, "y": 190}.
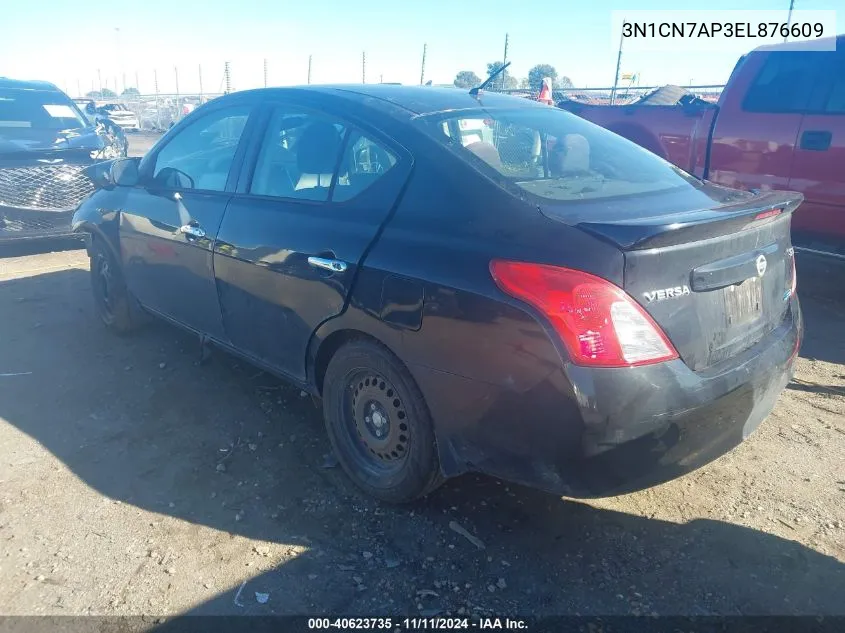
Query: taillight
{"x": 597, "y": 321}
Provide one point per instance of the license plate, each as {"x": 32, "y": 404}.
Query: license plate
{"x": 743, "y": 302}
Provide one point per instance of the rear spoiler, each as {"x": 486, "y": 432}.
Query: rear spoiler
{"x": 693, "y": 226}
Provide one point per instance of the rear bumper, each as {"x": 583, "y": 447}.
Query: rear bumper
{"x": 26, "y": 224}
{"x": 598, "y": 432}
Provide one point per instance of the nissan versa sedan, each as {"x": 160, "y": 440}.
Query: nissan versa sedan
{"x": 468, "y": 282}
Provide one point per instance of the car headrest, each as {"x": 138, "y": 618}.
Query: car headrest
{"x": 317, "y": 148}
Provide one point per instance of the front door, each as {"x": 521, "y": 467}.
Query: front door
{"x": 292, "y": 239}
{"x": 168, "y": 224}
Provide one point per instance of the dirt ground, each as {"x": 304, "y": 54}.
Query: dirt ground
{"x": 135, "y": 481}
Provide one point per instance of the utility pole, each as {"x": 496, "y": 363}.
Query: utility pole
{"x": 309, "y": 69}
{"x": 137, "y": 83}
{"x": 158, "y": 109}
{"x": 422, "y": 70}
{"x": 78, "y": 88}
{"x": 618, "y": 63}
{"x": 100, "y": 80}
{"x": 505, "y": 61}
{"x": 178, "y": 109}
{"x": 119, "y": 59}
{"x": 265, "y": 72}
{"x": 789, "y": 18}
{"x": 228, "y": 77}
{"x": 364, "y": 67}
{"x": 200, "y": 76}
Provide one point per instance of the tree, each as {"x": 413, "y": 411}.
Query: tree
{"x": 564, "y": 82}
{"x": 540, "y": 72}
{"x": 130, "y": 92}
{"x": 104, "y": 94}
{"x": 467, "y": 79}
{"x": 510, "y": 82}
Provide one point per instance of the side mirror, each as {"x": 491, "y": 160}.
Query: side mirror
{"x": 124, "y": 172}
{"x": 172, "y": 178}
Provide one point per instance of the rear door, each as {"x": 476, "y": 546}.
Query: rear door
{"x": 169, "y": 222}
{"x": 756, "y": 131}
{"x": 317, "y": 191}
{"x": 818, "y": 169}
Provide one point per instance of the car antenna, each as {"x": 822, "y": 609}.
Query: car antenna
{"x": 474, "y": 92}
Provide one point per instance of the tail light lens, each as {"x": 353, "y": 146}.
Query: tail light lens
{"x": 598, "y": 322}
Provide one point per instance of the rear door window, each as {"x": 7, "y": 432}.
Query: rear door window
{"x": 310, "y": 156}
{"x": 785, "y": 82}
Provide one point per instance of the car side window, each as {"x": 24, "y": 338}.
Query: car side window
{"x": 201, "y": 155}
{"x": 835, "y": 103}
{"x": 364, "y": 162}
{"x": 784, "y": 83}
{"x": 299, "y": 156}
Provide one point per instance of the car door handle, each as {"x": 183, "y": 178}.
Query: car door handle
{"x": 816, "y": 140}
{"x": 192, "y": 230}
{"x": 334, "y": 265}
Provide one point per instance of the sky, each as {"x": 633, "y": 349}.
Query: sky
{"x": 69, "y": 41}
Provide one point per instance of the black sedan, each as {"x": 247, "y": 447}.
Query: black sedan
{"x": 46, "y": 144}
{"x": 467, "y": 282}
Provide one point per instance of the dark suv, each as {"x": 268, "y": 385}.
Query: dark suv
{"x": 45, "y": 144}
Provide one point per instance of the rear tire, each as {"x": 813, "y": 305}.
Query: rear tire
{"x": 114, "y": 304}
{"x": 378, "y": 423}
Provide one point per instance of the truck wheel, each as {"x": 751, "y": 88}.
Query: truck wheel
{"x": 378, "y": 423}
{"x": 112, "y": 301}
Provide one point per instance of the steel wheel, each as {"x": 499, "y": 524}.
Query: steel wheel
{"x": 380, "y": 431}
{"x": 378, "y": 423}
{"x": 112, "y": 300}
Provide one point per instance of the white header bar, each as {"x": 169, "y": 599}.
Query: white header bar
{"x": 721, "y": 31}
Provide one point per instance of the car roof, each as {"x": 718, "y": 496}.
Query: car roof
{"x": 18, "y": 84}
{"x": 404, "y": 101}
{"x": 823, "y": 43}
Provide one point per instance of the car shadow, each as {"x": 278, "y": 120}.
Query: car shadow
{"x": 821, "y": 289}
{"x": 224, "y": 445}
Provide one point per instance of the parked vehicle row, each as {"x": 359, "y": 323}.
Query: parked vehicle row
{"x": 469, "y": 282}
{"x": 779, "y": 125}
{"x": 46, "y": 143}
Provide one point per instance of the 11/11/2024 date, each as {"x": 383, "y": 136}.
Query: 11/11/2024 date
{"x": 417, "y": 624}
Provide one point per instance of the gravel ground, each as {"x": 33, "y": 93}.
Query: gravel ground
{"x": 135, "y": 481}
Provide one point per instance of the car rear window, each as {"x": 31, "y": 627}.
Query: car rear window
{"x": 553, "y": 154}
{"x": 38, "y": 109}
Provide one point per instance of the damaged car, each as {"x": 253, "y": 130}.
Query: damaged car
{"x": 46, "y": 144}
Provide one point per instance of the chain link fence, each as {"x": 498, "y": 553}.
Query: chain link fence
{"x": 158, "y": 112}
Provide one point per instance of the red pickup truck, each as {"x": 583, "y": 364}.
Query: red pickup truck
{"x": 779, "y": 124}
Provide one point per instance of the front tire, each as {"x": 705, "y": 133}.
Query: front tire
{"x": 112, "y": 300}
{"x": 378, "y": 423}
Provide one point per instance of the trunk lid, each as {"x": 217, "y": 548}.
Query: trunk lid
{"x": 715, "y": 277}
